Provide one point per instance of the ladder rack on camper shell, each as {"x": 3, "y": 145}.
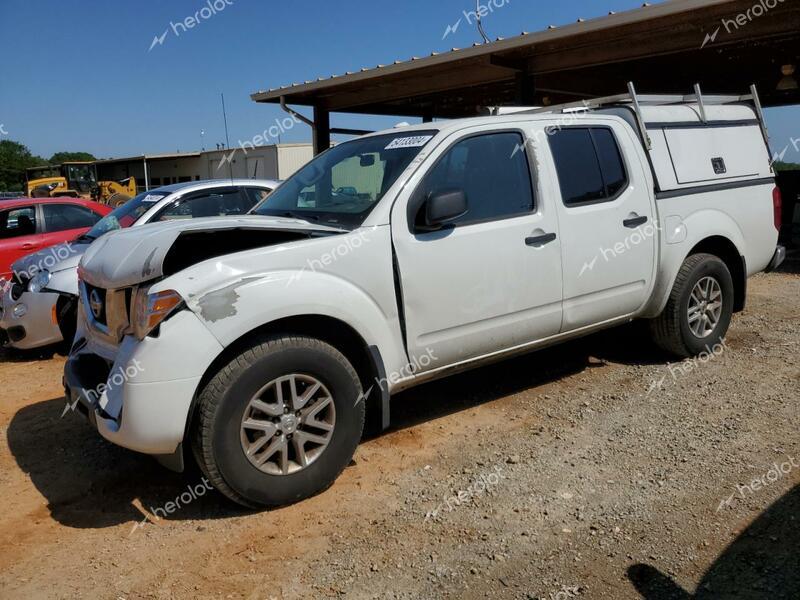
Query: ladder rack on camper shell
{"x": 638, "y": 100}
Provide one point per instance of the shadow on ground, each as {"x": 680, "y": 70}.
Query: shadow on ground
{"x": 791, "y": 264}
{"x": 763, "y": 562}
{"x": 12, "y": 355}
{"x": 629, "y": 344}
{"x": 90, "y": 483}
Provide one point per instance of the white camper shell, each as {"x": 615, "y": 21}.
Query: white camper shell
{"x": 692, "y": 141}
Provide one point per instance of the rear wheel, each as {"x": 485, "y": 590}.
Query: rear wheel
{"x": 699, "y": 310}
{"x": 279, "y": 422}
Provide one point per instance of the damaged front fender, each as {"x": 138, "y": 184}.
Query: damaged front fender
{"x": 346, "y": 277}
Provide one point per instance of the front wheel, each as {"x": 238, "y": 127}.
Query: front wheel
{"x": 699, "y": 310}
{"x": 279, "y": 422}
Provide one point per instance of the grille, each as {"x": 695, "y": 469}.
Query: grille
{"x": 106, "y": 311}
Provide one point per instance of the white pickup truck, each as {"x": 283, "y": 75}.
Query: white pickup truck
{"x": 260, "y": 342}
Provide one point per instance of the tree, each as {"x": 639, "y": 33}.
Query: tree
{"x": 62, "y": 157}
{"x": 784, "y": 166}
{"x": 14, "y": 159}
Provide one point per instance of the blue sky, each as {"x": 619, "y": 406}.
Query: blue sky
{"x": 85, "y": 79}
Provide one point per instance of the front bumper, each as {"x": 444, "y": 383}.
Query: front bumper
{"x": 777, "y": 259}
{"x": 141, "y": 398}
{"x": 36, "y": 327}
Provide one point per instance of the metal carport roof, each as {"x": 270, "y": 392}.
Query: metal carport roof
{"x": 665, "y": 47}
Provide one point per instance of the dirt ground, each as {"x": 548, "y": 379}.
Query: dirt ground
{"x": 591, "y": 470}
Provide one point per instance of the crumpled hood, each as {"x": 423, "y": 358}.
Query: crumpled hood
{"x": 53, "y": 259}
{"x": 130, "y": 256}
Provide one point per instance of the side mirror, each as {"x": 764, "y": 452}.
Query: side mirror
{"x": 445, "y": 206}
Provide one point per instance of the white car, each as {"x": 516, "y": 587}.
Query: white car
{"x": 39, "y": 307}
{"x": 408, "y": 255}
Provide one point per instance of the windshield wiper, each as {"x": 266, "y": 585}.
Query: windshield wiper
{"x": 297, "y": 215}
{"x": 312, "y": 218}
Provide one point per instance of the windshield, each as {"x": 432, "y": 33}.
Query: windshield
{"x": 81, "y": 173}
{"x": 341, "y": 186}
{"x": 125, "y": 215}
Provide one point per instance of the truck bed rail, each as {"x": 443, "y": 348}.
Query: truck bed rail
{"x": 639, "y": 100}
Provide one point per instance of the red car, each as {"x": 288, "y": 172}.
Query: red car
{"x": 31, "y": 224}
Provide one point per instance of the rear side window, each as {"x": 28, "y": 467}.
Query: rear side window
{"x": 589, "y": 165}
{"x": 492, "y": 170}
{"x": 62, "y": 217}
{"x": 17, "y": 222}
{"x": 611, "y": 164}
{"x": 211, "y": 204}
{"x": 256, "y": 195}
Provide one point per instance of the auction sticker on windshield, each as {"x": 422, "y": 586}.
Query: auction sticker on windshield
{"x": 152, "y": 197}
{"x": 409, "y": 142}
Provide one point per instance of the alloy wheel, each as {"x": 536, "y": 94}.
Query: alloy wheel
{"x": 288, "y": 424}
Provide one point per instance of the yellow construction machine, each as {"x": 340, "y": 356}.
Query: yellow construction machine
{"x": 77, "y": 180}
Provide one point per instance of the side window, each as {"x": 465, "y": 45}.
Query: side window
{"x": 611, "y": 164}
{"x": 589, "y": 165}
{"x": 211, "y": 204}
{"x": 492, "y": 170}
{"x": 256, "y": 195}
{"x": 61, "y": 217}
{"x": 17, "y": 222}
{"x": 578, "y": 169}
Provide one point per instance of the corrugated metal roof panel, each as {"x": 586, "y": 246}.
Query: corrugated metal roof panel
{"x": 647, "y": 11}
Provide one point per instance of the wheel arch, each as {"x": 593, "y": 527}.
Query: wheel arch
{"x": 366, "y": 360}
{"x": 724, "y": 249}
{"x": 724, "y": 244}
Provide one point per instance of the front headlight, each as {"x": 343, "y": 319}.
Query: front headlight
{"x": 39, "y": 281}
{"x": 150, "y": 310}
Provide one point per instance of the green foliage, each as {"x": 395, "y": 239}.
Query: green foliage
{"x": 62, "y": 157}
{"x": 784, "y": 166}
{"x": 14, "y": 159}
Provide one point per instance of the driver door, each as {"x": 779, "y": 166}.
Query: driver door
{"x": 491, "y": 280}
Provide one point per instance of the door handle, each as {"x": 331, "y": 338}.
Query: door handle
{"x": 634, "y": 222}
{"x": 29, "y": 245}
{"x": 540, "y": 240}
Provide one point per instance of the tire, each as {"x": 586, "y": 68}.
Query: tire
{"x": 219, "y": 437}
{"x": 117, "y": 200}
{"x": 672, "y": 329}
{"x": 41, "y": 192}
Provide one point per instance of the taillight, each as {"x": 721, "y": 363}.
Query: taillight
{"x": 777, "y": 203}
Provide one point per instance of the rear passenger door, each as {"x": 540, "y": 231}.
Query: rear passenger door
{"x": 65, "y": 222}
{"x": 606, "y": 218}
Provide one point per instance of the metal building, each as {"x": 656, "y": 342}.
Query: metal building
{"x": 276, "y": 161}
